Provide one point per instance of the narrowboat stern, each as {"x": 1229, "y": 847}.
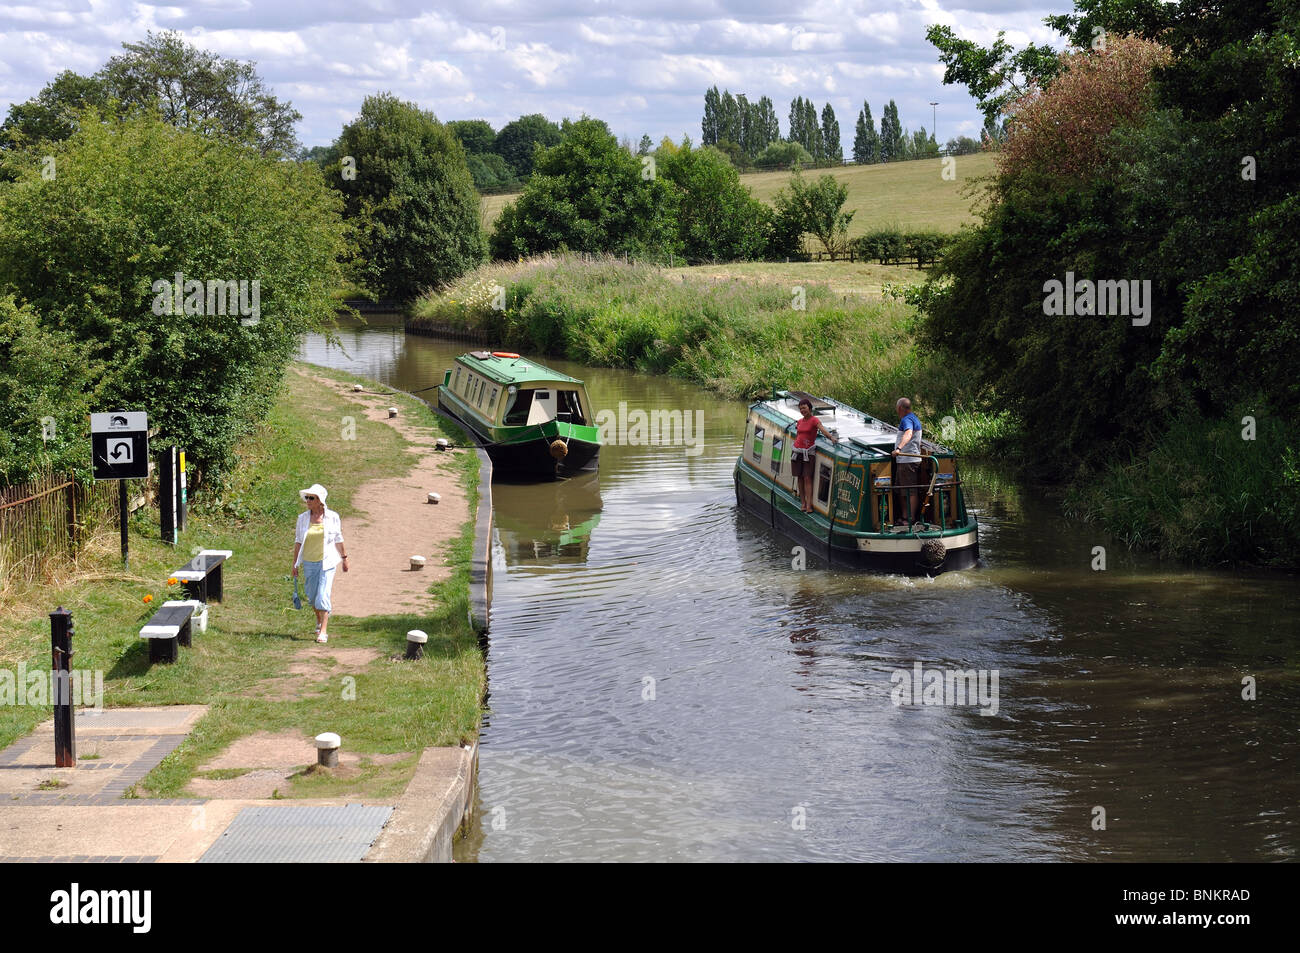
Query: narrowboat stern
{"x": 854, "y": 506}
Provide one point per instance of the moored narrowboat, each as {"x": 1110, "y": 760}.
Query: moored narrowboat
{"x": 854, "y": 507}
{"x": 534, "y": 422}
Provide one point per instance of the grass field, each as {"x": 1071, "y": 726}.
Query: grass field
{"x": 908, "y": 195}
{"x": 241, "y": 666}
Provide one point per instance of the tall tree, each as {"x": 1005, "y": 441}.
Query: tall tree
{"x": 411, "y": 201}
{"x": 796, "y": 122}
{"x": 709, "y": 127}
{"x": 891, "y": 135}
{"x": 587, "y": 194}
{"x": 831, "y": 134}
{"x": 645, "y": 146}
{"x": 866, "y": 141}
{"x": 769, "y": 125}
{"x": 190, "y": 88}
{"x": 813, "y": 131}
{"x": 728, "y": 119}
{"x": 196, "y": 89}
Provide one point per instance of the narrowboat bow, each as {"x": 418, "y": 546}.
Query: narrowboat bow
{"x": 854, "y": 508}
{"x": 534, "y": 422}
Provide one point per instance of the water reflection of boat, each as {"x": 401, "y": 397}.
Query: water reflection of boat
{"x": 533, "y": 421}
{"x": 852, "y": 522}
{"x": 551, "y": 521}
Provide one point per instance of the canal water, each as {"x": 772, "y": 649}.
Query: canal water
{"x": 665, "y": 682}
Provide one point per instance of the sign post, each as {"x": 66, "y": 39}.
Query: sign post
{"x": 119, "y": 450}
{"x": 168, "y": 495}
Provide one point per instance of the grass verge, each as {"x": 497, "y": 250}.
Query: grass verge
{"x": 254, "y": 635}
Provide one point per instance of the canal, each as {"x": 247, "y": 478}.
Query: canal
{"x": 665, "y": 682}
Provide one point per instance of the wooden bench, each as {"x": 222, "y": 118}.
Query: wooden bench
{"x": 202, "y": 575}
{"x": 170, "y": 628}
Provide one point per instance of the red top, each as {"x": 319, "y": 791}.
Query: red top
{"x": 806, "y": 428}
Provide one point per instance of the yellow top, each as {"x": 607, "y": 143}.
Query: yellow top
{"x": 313, "y": 547}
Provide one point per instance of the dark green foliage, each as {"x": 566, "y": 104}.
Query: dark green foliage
{"x": 892, "y": 246}
{"x": 587, "y": 194}
{"x": 783, "y": 155}
{"x": 831, "y": 135}
{"x": 517, "y": 141}
{"x": 866, "y": 141}
{"x": 133, "y": 203}
{"x": 717, "y": 219}
{"x": 47, "y": 387}
{"x": 51, "y": 115}
{"x": 1200, "y": 492}
{"x": 411, "y": 204}
{"x": 891, "y": 135}
{"x": 476, "y": 135}
{"x": 490, "y": 172}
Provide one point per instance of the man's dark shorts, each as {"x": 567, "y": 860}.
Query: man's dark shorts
{"x": 906, "y": 475}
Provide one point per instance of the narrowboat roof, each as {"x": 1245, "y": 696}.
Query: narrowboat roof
{"x": 848, "y": 422}
{"x": 512, "y": 370}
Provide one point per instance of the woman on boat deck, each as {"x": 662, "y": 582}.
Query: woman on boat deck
{"x": 803, "y": 457}
{"x": 318, "y": 549}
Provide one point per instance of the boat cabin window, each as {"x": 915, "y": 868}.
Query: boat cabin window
{"x": 568, "y": 403}
{"x": 823, "y": 483}
{"x": 492, "y": 401}
{"x": 777, "y": 444}
{"x": 517, "y": 413}
{"x": 455, "y": 381}
{"x": 759, "y": 433}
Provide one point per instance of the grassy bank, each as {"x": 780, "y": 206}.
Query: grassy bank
{"x": 1203, "y": 493}
{"x": 242, "y": 666}
{"x": 741, "y": 338}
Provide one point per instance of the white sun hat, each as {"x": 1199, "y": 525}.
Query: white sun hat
{"x": 315, "y": 490}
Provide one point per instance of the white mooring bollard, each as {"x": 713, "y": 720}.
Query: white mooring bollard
{"x": 417, "y": 562}
{"x": 441, "y": 444}
{"x": 358, "y": 388}
{"x": 415, "y": 640}
{"x": 434, "y": 497}
{"x": 327, "y": 749}
{"x": 392, "y": 411}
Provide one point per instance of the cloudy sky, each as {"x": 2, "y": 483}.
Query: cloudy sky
{"x": 641, "y": 66}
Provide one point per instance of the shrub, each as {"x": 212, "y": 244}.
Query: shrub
{"x": 132, "y": 204}
{"x": 783, "y": 155}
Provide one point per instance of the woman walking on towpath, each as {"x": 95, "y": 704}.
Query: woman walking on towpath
{"x": 318, "y": 549}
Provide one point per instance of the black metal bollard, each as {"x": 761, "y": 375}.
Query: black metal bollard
{"x": 65, "y": 742}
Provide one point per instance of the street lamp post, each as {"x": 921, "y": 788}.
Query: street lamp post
{"x": 934, "y": 122}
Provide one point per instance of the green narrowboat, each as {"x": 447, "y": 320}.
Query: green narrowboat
{"x": 854, "y": 510}
{"x": 534, "y": 422}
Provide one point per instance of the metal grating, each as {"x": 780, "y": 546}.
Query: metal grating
{"x": 296, "y": 835}
{"x": 176, "y": 717}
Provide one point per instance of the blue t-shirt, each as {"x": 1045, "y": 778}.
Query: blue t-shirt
{"x": 909, "y": 453}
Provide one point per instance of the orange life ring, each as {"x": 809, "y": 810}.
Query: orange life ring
{"x": 504, "y": 354}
